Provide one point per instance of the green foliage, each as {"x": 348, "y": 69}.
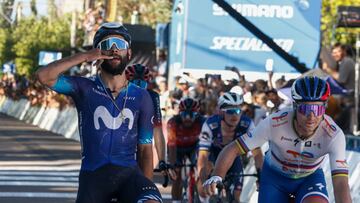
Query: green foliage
{"x": 33, "y": 35}
{"x": 151, "y": 12}
{"x": 330, "y": 33}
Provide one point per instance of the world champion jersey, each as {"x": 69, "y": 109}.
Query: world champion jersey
{"x": 291, "y": 156}
{"x": 106, "y": 134}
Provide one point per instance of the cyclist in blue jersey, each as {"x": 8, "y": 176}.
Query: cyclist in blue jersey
{"x": 220, "y": 130}
{"x": 299, "y": 140}
{"x": 139, "y": 75}
{"x": 114, "y": 121}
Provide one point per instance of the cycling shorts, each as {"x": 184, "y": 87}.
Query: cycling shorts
{"x": 186, "y": 152}
{"x": 275, "y": 187}
{"x": 110, "y": 182}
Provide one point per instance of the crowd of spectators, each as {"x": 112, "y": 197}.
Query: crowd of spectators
{"x": 261, "y": 97}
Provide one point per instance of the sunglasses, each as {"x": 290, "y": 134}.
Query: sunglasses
{"x": 234, "y": 111}
{"x": 108, "y": 43}
{"x": 306, "y": 109}
{"x": 188, "y": 115}
{"x": 140, "y": 83}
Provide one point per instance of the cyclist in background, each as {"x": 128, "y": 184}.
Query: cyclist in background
{"x": 299, "y": 139}
{"x": 139, "y": 75}
{"x": 114, "y": 121}
{"x": 183, "y": 136}
{"x": 218, "y": 131}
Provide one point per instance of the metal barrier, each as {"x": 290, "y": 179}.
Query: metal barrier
{"x": 353, "y": 143}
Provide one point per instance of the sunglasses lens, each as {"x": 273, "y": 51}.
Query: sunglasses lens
{"x": 188, "y": 115}
{"x": 233, "y": 111}
{"x": 306, "y": 109}
{"x": 108, "y": 43}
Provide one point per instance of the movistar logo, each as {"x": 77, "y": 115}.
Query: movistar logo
{"x": 112, "y": 122}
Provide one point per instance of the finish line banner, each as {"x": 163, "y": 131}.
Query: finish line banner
{"x": 204, "y": 36}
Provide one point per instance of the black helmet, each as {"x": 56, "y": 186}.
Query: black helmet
{"x": 107, "y": 29}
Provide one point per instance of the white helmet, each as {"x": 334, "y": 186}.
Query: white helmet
{"x": 230, "y": 99}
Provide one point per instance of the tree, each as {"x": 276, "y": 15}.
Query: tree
{"x": 150, "y": 11}
{"x": 330, "y": 33}
{"x": 46, "y": 35}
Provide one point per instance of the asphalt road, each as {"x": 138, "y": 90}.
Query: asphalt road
{"x": 38, "y": 166}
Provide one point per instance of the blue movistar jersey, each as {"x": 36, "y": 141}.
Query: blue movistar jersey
{"x": 106, "y": 134}
{"x": 211, "y": 138}
{"x": 157, "y": 110}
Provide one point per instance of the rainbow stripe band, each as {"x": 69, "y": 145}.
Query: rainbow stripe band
{"x": 241, "y": 146}
{"x": 340, "y": 173}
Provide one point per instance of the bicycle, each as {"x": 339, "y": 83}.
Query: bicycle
{"x": 190, "y": 194}
{"x": 225, "y": 188}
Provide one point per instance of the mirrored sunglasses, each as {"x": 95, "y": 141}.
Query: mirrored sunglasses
{"x": 188, "y": 115}
{"x": 140, "y": 83}
{"x": 234, "y": 111}
{"x": 306, "y": 109}
{"x": 107, "y": 44}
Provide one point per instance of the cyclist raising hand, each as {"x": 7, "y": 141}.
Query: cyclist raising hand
{"x": 114, "y": 121}
{"x": 299, "y": 139}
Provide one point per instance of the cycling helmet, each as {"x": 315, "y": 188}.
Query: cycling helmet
{"x": 107, "y": 29}
{"x": 230, "y": 99}
{"x": 310, "y": 88}
{"x": 189, "y": 104}
{"x": 137, "y": 72}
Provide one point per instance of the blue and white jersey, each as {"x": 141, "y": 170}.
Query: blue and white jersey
{"x": 211, "y": 138}
{"x": 106, "y": 134}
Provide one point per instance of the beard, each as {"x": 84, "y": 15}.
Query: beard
{"x": 119, "y": 69}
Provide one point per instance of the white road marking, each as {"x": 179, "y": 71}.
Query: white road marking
{"x": 39, "y": 194}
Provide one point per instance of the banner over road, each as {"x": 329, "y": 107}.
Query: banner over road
{"x": 204, "y": 36}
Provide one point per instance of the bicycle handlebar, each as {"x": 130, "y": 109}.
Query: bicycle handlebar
{"x": 166, "y": 177}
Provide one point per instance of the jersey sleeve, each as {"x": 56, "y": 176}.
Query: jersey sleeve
{"x": 205, "y": 138}
{"x": 66, "y": 85}
{"x": 254, "y": 138}
{"x": 157, "y": 114}
{"x": 337, "y": 155}
{"x": 145, "y": 125}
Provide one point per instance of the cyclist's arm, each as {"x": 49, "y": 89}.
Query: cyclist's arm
{"x": 339, "y": 168}
{"x": 205, "y": 141}
{"x": 341, "y": 189}
{"x": 158, "y": 133}
{"x": 145, "y": 132}
{"x": 258, "y": 158}
{"x": 49, "y": 74}
{"x": 249, "y": 141}
{"x": 201, "y": 165}
{"x": 171, "y": 131}
{"x": 159, "y": 142}
{"x": 145, "y": 154}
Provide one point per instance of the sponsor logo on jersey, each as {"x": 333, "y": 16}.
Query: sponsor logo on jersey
{"x": 328, "y": 127}
{"x": 249, "y": 134}
{"x": 112, "y": 122}
{"x": 99, "y": 92}
{"x": 130, "y": 98}
{"x": 213, "y": 126}
{"x": 341, "y": 164}
{"x": 280, "y": 124}
{"x": 280, "y": 118}
{"x": 303, "y": 154}
{"x": 286, "y": 139}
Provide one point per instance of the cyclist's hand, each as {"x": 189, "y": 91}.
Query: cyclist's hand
{"x": 210, "y": 184}
{"x": 96, "y": 54}
{"x": 167, "y": 169}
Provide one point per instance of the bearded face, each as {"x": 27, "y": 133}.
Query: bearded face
{"x": 117, "y": 65}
